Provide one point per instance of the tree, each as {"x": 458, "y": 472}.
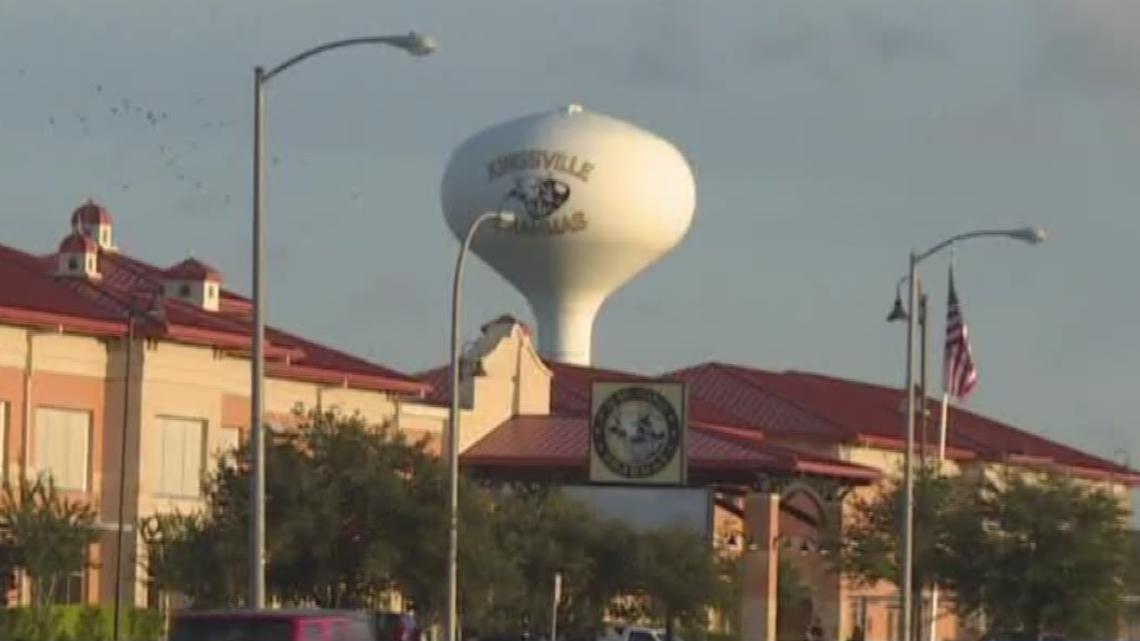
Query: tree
{"x": 870, "y": 546}
{"x": 188, "y": 554}
{"x": 1032, "y": 553}
{"x": 356, "y": 510}
{"x": 1131, "y": 564}
{"x": 679, "y": 578}
{"x": 538, "y": 532}
{"x": 1037, "y": 555}
{"x": 46, "y": 536}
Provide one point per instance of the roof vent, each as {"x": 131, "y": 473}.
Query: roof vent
{"x": 194, "y": 282}
{"x": 93, "y": 221}
{"x": 78, "y": 256}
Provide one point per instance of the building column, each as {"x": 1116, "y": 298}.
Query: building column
{"x": 761, "y": 563}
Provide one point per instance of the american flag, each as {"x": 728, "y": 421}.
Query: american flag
{"x": 959, "y": 376}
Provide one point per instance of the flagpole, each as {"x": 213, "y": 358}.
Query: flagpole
{"x": 942, "y": 416}
{"x": 941, "y": 458}
{"x": 942, "y": 426}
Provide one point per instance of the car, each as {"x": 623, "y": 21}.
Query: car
{"x": 271, "y": 625}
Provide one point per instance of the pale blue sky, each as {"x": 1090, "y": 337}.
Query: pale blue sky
{"x": 828, "y": 138}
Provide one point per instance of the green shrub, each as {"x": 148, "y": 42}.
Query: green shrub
{"x": 78, "y": 623}
{"x": 95, "y": 623}
{"x": 144, "y": 625}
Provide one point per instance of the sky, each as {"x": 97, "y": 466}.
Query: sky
{"x": 828, "y": 140}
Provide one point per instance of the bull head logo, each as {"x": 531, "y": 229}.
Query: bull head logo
{"x": 540, "y": 197}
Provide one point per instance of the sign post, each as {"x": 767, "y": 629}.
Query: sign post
{"x": 554, "y": 606}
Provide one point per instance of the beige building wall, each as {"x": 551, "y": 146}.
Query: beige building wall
{"x": 167, "y": 380}
{"x": 513, "y": 381}
{"x": 47, "y": 369}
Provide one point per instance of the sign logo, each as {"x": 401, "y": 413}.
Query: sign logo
{"x": 637, "y": 433}
{"x": 540, "y": 197}
{"x": 542, "y": 186}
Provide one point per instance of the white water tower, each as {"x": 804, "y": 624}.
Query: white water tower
{"x": 597, "y": 201}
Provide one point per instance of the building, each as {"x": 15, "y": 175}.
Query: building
{"x": 95, "y": 345}
{"x": 793, "y": 451}
{"x": 113, "y": 371}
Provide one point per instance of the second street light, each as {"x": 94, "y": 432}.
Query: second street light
{"x": 413, "y": 43}
{"x": 451, "y": 614}
{"x": 1031, "y": 235}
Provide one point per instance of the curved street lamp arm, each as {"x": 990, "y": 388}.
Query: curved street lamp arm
{"x": 406, "y": 41}
{"x": 1028, "y": 234}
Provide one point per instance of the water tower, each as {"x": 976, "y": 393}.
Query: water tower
{"x": 597, "y": 200}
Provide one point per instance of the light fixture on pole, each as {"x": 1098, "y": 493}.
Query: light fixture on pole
{"x": 1030, "y": 235}
{"x": 451, "y": 615}
{"x": 898, "y": 312}
{"x": 413, "y": 43}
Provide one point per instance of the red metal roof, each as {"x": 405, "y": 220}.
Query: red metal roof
{"x": 30, "y": 294}
{"x": 27, "y": 286}
{"x": 193, "y": 269}
{"x": 871, "y": 413}
{"x": 562, "y": 442}
{"x": 572, "y": 384}
{"x": 570, "y": 393}
{"x": 77, "y": 244}
{"x": 744, "y": 402}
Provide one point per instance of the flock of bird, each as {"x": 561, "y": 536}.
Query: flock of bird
{"x": 137, "y": 117}
{"x": 174, "y": 135}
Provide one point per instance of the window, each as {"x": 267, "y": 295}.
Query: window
{"x": 184, "y": 290}
{"x": 178, "y": 463}
{"x": 72, "y": 264}
{"x": 228, "y": 440}
{"x": 70, "y": 590}
{"x": 61, "y": 443}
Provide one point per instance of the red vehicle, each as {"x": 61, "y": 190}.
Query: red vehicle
{"x": 271, "y": 625}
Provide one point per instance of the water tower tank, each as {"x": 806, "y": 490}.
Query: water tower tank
{"x": 597, "y": 200}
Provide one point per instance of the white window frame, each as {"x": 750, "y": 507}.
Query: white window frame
{"x": 181, "y": 492}
{"x": 40, "y": 466}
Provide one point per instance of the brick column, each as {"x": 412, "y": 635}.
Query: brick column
{"x": 762, "y": 516}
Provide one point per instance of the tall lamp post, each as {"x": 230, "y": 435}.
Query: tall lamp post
{"x": 451, "y": 616}
{"x": 413, "y": 43}
{"x": 1031, "y": 235}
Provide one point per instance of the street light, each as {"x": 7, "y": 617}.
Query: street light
{"x": 1031, "y": 235}
{"x": 413, "y": 43}
{"x": 505, "y": 219}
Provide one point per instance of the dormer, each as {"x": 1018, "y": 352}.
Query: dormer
{"x": 78, "y": 256}
{"x": 94, "y": 222}
{"x": 194, "y": 282}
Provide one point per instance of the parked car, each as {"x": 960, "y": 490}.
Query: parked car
{"x": 271, "y": 625}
